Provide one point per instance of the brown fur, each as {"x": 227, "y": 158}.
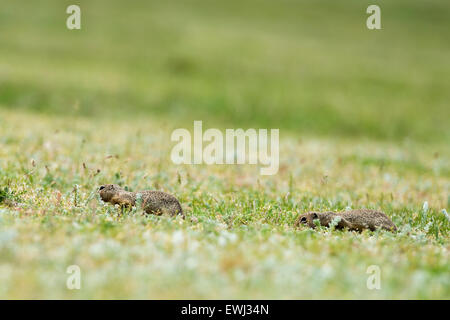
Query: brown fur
{"x": 353, "y": 220}
{"x": 153, "y": 202}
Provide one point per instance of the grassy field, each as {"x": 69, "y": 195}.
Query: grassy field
{"x": 363, "y": 118}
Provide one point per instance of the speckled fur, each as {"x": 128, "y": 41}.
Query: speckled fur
{"x": 353, "y": 220}
{"x": 153, "y": 202}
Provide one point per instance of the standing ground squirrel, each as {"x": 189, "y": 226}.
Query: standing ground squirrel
{"x": 354, "y": 220}
{"x": 153, "y": 202}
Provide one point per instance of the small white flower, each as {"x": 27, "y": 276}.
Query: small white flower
{"x": 177, "y": 237}
{"x": 445, "y": 214}
{"x": 97, "y": 249}
{"x": 232, "y": 237}
{"x": 222, "y": 241}
{"x": 425, "y": 207}
{"x": 335, "y": 222}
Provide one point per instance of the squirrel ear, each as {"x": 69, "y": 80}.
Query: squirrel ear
{"x": 315, "y": 216}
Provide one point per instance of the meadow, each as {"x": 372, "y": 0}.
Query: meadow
{"x": 363, "y": 118}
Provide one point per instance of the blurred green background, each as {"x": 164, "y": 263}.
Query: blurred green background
{"x": 363, "y": 118}
{"x": 308, "y": 67}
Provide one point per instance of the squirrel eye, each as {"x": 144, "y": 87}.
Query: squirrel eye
{"x": 303, "y": 219}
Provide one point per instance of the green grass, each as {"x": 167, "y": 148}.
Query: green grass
{"x": 363, "y": 123}
{"x": 244, "y": 244}
{"x": 304, "y": 66}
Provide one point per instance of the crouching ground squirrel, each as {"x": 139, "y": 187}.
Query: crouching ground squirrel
{"x": 353, "y": 220}
{"x": 153, "y": 202}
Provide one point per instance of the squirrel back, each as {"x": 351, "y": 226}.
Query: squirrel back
{"x": 153, "y": 202}
{"x": 354, "y": 220}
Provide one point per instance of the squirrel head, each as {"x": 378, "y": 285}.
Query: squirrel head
{"x": 108, "y": 191}
{"x": 308, "y": 219}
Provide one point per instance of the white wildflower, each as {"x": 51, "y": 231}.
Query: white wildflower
{"x": 425, "y": 207}
{"x": 445, "y": 214}
{"x": 177, "y": 237}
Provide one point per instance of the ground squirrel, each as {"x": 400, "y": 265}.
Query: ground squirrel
{"x": 354, "y": 220}
{"x": 153, "y": 202}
